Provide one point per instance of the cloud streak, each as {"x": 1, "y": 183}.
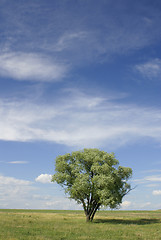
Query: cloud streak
{"x": 150, "y": 181}
{"x": 79, "y": 120}
{"x": 155, "y": 178}
{"x": 14, "y": 162}
{"x": 18, "y": 162}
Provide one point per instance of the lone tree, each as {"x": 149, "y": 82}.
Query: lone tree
{"x": 92, "y": 178}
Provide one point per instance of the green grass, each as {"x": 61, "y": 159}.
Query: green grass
{"x": 71, "y": 225}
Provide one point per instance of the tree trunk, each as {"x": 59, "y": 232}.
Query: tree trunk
{"x": 94, "y": 211}
{"x": 87, "y": 218}
{"x": 90, "y": 215}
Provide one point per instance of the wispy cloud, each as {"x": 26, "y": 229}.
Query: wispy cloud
{"x": 155, "y": 178}
{"x": 15, "y": 192}
{"x": 151, "y": 171}
{"x": 32, "y": 67}
{"x": 150, "y": 69}
{"x": 79, "y": 120}
{"x": 148, "y": 179}
{"x": 62, "y": 203}
{"x": 13, "y": 181}
{"x": 152, "y": 185}
{"x": 70, "y": 33}
{"x": 67, "y": 40}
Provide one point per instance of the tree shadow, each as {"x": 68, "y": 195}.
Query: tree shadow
{"x": 141, "y": 221}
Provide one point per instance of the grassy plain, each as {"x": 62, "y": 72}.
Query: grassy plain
{"x": 71, "y": 225}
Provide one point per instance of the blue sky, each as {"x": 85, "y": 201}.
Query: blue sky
{"x": 73, "y": 75}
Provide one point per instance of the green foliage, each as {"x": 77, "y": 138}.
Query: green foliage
{"x": 92, "y": 178}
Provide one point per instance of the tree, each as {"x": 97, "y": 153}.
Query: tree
{"x": 92, "y": 178}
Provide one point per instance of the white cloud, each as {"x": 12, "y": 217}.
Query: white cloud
{"x": 44, "y": 178}
{"x": 13, "y": 181}
{"x": 62, "y": 203}
{"x": 157, "y": 192}
{"x": 136, "y": 203}
{"x": 29, "y": 66}
{"x": 15, "y": 192}
{"x": 19, "y": 193}
{"x": 151, "y": 69}
{"x": 79, "y": 120}
{"x": 143, "y": 205}
{"x": 125, "y": 204}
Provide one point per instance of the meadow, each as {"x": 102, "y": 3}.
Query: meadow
{"x": 71, "y": 225}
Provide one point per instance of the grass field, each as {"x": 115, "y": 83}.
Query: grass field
{"x": 71, "y": 225}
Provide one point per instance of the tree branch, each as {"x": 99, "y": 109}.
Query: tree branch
{"x": 129, "y": 191}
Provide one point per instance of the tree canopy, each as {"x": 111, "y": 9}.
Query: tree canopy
{"x": 92, "y": 178}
